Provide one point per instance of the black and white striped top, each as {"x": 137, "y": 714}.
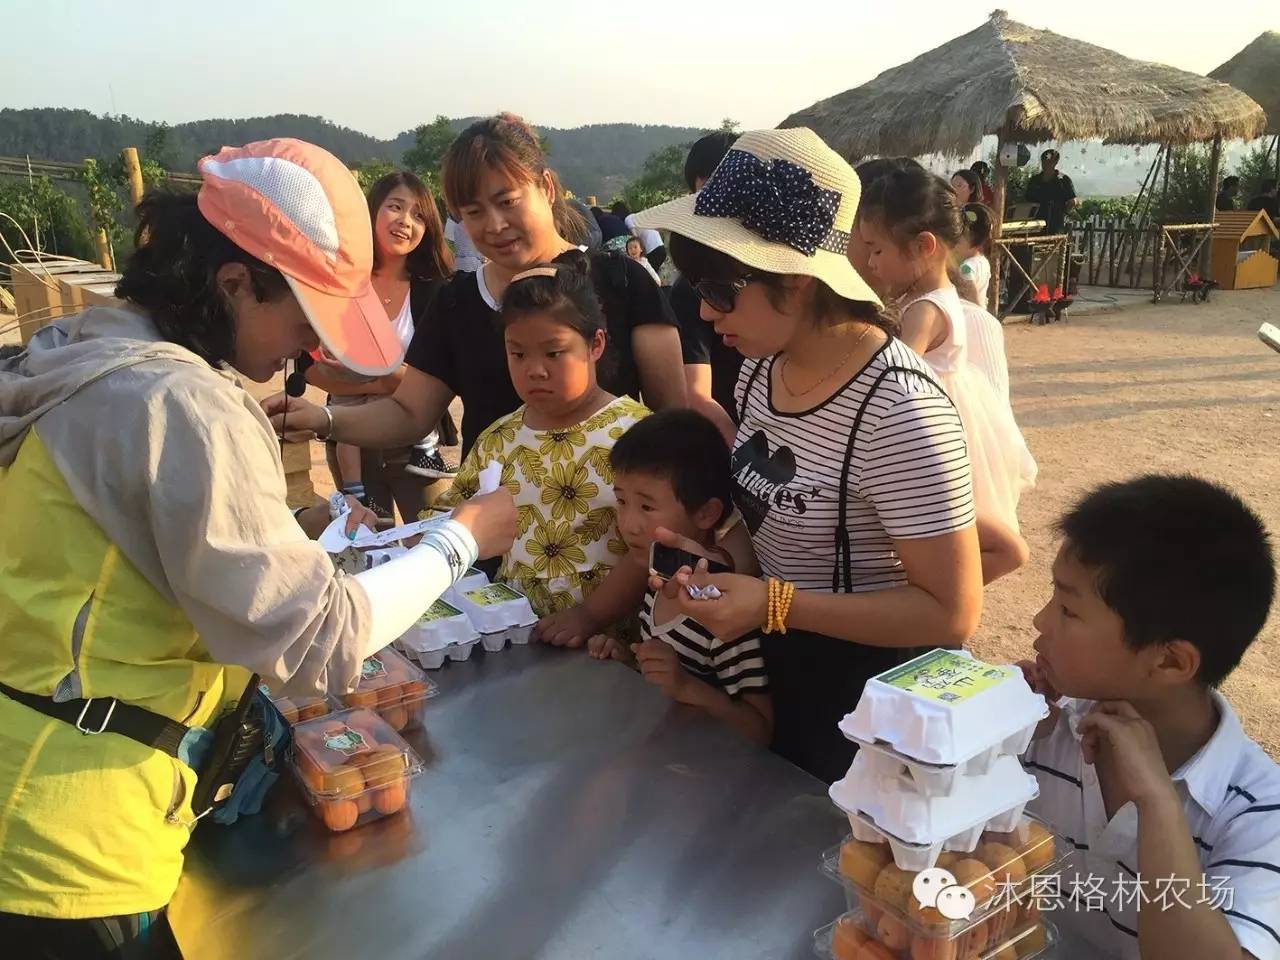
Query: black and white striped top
{"x": 908, "y": 475}
{"x": 736, "y": 666}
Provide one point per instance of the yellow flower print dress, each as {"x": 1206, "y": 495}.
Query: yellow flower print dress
{"x": 567, "y": 536}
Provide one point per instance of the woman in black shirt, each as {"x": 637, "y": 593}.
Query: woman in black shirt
{"x": 498, "y": 186}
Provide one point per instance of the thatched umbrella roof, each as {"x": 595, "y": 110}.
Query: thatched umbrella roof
{"x": 1256, "y": 71}
{"x": 1027, "y": 85}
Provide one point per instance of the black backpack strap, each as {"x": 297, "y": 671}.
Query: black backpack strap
{"x": 746, "y": 392}
{"x": 107, "y": 715}
{"x": 842, "y": 572}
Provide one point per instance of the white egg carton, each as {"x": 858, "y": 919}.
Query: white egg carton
{"x": 428, "y": 640}
{"x": 470, "y": 580}
{"x": 975, "y": 803}
{"x": 493, "y": 642}
{"x": 498, "y": 609}
{"x": 462, "y": 650}
{"x": 946, "y": 708}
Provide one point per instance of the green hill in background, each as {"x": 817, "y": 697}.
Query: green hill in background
{"x": 592, "y": 160}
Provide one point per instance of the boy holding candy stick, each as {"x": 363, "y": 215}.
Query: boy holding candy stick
{"x": 1160, "y": 585}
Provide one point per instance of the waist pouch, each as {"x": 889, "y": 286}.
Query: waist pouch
{"x": 236, "y": 760}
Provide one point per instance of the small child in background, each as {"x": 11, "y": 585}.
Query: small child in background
{"x": 1160, "y": 586}
{"x": 671, "y": 470}
{"x": 911, "y": 223}
{"x": 635, "y": 250}
{"x": 975, "y": 247}
{"x": 554, "y": 449}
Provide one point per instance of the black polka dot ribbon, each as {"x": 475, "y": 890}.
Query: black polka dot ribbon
{"x": 777, "y": 200}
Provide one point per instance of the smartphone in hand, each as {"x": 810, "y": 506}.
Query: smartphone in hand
{"x": 664, "y": 561}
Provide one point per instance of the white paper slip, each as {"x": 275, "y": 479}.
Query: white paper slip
{"x": 490, "y": 477}
{"x": 335, "y": 539}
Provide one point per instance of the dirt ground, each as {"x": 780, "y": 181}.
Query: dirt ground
{"x": 1150, "y": 387}
{"x": 1112, "y": 394}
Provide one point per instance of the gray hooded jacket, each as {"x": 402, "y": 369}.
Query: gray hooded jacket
{"x": 179, "y": 467}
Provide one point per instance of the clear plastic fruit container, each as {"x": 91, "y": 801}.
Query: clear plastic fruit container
{"x": 397, "y": 689}
{"x": 1003, "y": 874}
{"x": 853, "y": 936}
{"x": 994, "y": 800}
{"x": 947, "y": 708}
{"x": 352, "y": 768}
{"x": 298, "y": 709}
{"x": 427, "y": 641}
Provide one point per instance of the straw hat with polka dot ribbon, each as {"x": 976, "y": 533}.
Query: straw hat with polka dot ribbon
{"x": 780, "y": 201}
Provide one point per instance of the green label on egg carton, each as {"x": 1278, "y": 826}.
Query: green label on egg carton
{"x": 440, "y": 610}
{"x": 492, "y": 595}
{"x": 945, "y": 677}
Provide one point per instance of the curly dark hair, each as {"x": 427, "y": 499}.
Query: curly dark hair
{"x": 173, "y": 276}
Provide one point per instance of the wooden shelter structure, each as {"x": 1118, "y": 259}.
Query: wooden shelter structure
{"x": 1026, "y": 85}
{"x": 1256, "y": 71}
{"x": 1241, "y": 252}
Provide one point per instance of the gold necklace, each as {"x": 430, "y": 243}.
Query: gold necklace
{"x": 834, "y": 370}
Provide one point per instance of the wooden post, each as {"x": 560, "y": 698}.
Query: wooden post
{"x": 133, "y": 170}
{"x": 999, "y": 190}
{"x": 1210, "y": 205}
{"x": 104, "y": 250}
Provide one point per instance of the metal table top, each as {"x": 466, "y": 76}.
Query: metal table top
{"x": 568, "y": 810}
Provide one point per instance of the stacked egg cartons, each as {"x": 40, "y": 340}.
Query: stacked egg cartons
{"x": 935, "y": 799}
{"x": 473, "y": 612}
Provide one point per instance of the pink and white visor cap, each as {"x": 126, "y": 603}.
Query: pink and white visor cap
{"x": 296, "y": 207}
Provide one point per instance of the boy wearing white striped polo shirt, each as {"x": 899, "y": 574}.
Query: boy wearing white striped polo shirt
{"x": 1160, "y": 585}
{"x": 671, "y": 470}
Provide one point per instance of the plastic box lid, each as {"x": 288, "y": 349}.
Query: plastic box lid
{"x": 389, "y": 679}
{"x": 348, "y": 754}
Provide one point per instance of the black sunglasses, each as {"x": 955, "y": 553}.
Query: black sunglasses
{"x": 720, "y": 296}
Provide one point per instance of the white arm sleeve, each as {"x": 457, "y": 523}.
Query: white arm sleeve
{"x": 401, "y": 590}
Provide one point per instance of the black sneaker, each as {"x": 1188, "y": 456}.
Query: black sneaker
{"x": 429, "y": 465}
{"x": 382, "y": 513}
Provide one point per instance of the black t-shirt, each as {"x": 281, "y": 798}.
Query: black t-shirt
{"x": 1053, "y": 196}
{"x": 611, "y": 226}
{"x": 700, "y": 344}
{"x": 460, "y": 339}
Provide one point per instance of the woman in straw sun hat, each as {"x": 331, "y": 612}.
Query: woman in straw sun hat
{"x": 849, "y": 466}
{"x": 154, "y": 564}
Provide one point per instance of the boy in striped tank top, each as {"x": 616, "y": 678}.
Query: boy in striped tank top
{"x": 671, "y": 470}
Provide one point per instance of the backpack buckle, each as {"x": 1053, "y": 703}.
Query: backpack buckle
{"x": 80, "y": 724}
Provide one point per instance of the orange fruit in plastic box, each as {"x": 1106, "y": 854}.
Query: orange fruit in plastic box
{"x": 339, "y": 815}
{"x": 862, "y": 862}
{"x": 288, "y": 710}
{"x": 384, "y": 766}
{"x": 397, "y": 717}
{"x": 977, "y": 876}
{"x": 973, "y": 941}
{"x": 312, "y": 709}
{"x": 893, "y": 933}
{"x": 928, "y": 917}
{"x": 391, "y": 798}
{"x": 343, "y": 782}
{"x": 1006, "y": 866}
{"x": 847, "y": 939}
{"x": 368, "y": 699}
{"x": 933, "y": 948}
{"x": 874, "y": 950}
{"x": 893, "y": 887}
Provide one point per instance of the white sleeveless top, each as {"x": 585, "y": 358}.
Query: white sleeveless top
{"x": 1002, "y": 465}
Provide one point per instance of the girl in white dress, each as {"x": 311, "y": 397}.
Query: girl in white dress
{"x": 911, "y": 223}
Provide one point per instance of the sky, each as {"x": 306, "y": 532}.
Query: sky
{"x": 383, "y": 66}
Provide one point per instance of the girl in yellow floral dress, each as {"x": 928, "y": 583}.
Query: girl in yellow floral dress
{"x": 554, "y": 449}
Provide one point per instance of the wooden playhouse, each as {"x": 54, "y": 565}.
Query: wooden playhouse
{"x": 1241, "y": 254}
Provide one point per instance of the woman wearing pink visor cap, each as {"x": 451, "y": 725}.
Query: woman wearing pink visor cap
{"x": 154, "y": 565}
